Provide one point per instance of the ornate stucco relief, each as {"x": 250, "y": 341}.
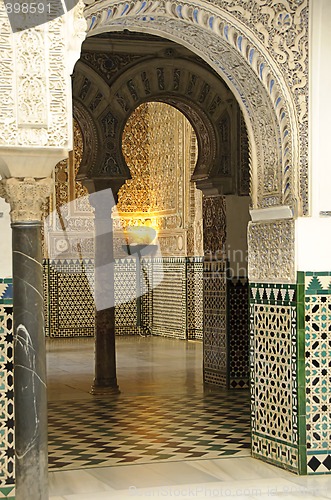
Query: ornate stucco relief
{"x": 214, "y": 227}
{"x": 27, "y": 197}
{"x": 31, "y": 78}
{"x": 157, "y": 143}
{"x": 69, "y": 230}
{"x": 271, "y": 38}
{"x": 271, "y": 251}
{"x": 35, "y": 89}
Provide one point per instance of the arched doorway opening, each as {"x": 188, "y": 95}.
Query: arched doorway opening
{"x": 270, "y": 115}
{"x": 186, "y": 83}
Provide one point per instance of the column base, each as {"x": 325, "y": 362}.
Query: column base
{"x": 99, "y": 390}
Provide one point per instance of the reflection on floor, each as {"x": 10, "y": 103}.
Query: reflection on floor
{"x": 166, "y": 420}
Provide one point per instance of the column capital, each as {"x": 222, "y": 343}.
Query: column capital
{"x": 26, "y": 197}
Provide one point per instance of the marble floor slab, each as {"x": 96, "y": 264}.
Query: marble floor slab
{"x": 242, "y": 477}
{"x": 162, "y": 398}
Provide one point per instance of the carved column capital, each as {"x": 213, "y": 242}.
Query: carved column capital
{"x": 26, "y": 197}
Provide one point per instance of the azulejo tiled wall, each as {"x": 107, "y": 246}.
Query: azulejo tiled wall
{"x": 130, "y": 318}
{"x": 7, "y": 458}
{"x": 194, "y": 298}
{"x": 226, "y": 327}
{"x": 215, "y": 357}
{"x": 317, "y": 311}
{"x": 69, "y": 302}
{"x": 238, "y": 332}
{"x": 169, "y": 297}
{"x": 274, "y": 364}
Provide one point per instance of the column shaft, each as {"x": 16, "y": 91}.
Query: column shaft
{"x": 105, "y": 359}
{"x": 30, "y": 394}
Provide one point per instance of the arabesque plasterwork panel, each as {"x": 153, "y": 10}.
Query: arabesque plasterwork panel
{"x": 271, "y": 251}
{"x": 272, "y": 38}
{"x": 69, "y": 228}
{"x": 159, "y": 147}
{"x": 35, "y": 97}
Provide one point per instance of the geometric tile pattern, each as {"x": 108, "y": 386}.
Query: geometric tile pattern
{"x": 148, "y": 429}
{"x": 70, "y": 303}
{"x": 215, "y": 334}
{"x": 273, "y": 355}
{"x": 169, "y": 297}
{"x": 7, "y": 460}
{"x": 272, "y": 294}
{"x": 6, "y": 291}
{"x": 194, "y": 294}
{"x": 46, "y": 297}
{"x": 125, "y": 288}
{"x": 126, "y": 285}
{"x": 172, "y": 309}
{"x": 238, "y": 332}
{"x": 318, "y": 283}
{"x": 7, "y": 492}
{"x": 317, "y": 370}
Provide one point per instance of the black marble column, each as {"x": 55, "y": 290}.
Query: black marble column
{"x": 30, "y": 396}
{"x": 105, "y": 379}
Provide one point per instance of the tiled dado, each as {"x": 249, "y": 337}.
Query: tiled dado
{"x": 68, "y": 293}
{"x": 127, "y": 286}
{"x": 173, "y": 308}
{"x": 194, "y": 298}
{"x": 238, "y": 332}
{"x": 169, "y": 297}
{"x": 274, "y": 355}
{"x": 215, "y": 351}
{"x": 7, "y": 469}
{"x": 317, "y": 287}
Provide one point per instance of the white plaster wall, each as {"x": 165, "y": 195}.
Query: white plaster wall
{"x": 237, "y": 218}
{"x": 313, "y": 235}
{"x": 5, "y": 241}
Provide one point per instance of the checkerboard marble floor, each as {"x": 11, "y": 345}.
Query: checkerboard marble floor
{"x": 147, "y": 429}
{"x": 143, "y": 443}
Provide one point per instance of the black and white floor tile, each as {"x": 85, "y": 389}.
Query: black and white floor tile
{"x": 148, "y": 429}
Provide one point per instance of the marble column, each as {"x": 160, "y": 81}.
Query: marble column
{"x": 105, "y": 380}
{"x": 26, "y": 198}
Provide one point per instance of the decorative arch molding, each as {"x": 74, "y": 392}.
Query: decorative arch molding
{"x": 267, "y": 36}
{"x": 102, "y": 111}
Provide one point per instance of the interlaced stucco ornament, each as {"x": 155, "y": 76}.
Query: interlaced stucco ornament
{"x": 35, "y": 66}
{"x": 271, "y": 251}
{"x": 270, "y": 38}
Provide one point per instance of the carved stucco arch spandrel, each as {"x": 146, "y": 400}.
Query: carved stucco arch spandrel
{"x": 253, "y": 46}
